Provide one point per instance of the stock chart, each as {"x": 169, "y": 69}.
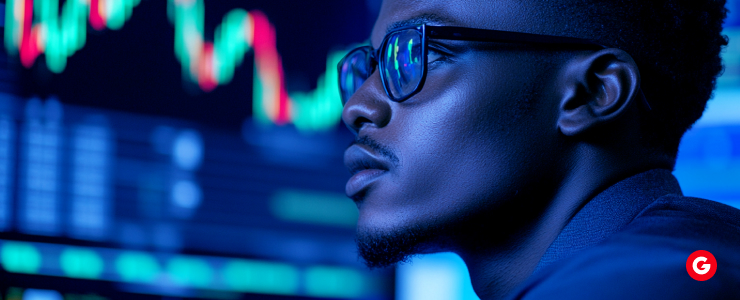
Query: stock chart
{"x": 98, "y": 203}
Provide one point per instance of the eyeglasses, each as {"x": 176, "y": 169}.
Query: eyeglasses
{"x": 402, "y": 56}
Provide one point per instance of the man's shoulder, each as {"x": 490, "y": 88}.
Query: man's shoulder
{"x": 681, "y": 209}
{"x": 686, "y": 221}
{"x": 647, "y": 258}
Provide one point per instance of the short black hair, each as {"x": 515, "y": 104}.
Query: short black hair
{"x": 676, "y": 44}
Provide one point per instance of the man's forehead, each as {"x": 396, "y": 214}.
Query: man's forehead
{"x": 499, "y": 14}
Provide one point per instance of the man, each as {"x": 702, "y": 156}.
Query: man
{"x": 543, "y": 161}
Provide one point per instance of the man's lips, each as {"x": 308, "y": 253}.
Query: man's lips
{"x": 365, "y": 166}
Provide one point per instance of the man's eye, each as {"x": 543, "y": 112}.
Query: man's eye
{"x": 435, "y": 56}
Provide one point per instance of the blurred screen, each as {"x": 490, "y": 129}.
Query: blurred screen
{"x": 178, "y": 149}
{"x": 192, "y": 149}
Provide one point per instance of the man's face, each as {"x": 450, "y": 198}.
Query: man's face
{"x": 480, "y": 135}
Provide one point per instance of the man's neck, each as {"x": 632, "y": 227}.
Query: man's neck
{"x": 496, "y": 271}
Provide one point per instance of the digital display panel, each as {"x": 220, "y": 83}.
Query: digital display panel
{"x": 201, "y": 160}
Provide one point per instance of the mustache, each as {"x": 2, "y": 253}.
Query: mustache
{"x": 379, "y": 148}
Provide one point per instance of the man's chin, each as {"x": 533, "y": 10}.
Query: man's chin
{"x": 383, "y": 248}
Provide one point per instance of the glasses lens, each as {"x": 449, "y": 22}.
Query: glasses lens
{"x": 402, "y": 63}
{"x": 354, "y": 70}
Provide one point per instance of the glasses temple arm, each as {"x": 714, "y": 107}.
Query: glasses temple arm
{"x": 489, "y": 35}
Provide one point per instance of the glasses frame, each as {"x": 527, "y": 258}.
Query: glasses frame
{"x": 460, "y": 34}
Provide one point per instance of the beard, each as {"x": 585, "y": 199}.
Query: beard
{"x": 380, "y": 249}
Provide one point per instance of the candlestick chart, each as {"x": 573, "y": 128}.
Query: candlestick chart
{"x": 36, "y": 29}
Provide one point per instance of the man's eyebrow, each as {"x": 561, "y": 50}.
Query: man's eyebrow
{"x": 422, "y": 19}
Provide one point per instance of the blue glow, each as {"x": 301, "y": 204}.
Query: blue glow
{"x": 79, "y": 262}
{"x": 185, "y": 272}
{"x": 261, "y": 277}
{"x": 434, "y": 276}
{"x": 39, "y": 204}
{"x": 187, "y": 150}
{"x": 20, "y": 257}
{"x": 36, "y": 294}
{"x": 91, "y": 187}
{"x": 708, "y": 164}
{"x": 190, "y": 271}
{"x": 733, "y": 18}
{"x": 186, "y": 194}
{"x": 137, "y": 267}
{"x": 723, "y": 109}
{"x": 730, "y": 78}
{"x": 322, "y": 281}
{"x": 7, "y": 132}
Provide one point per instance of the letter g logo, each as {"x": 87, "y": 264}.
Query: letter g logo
{"x": 704, "y": 268}
{"x": 701, "y": 265}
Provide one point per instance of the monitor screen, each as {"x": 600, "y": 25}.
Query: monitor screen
{"x": 178, "y": 149}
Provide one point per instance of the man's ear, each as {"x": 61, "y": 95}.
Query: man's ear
{"x": 596, "y": 89}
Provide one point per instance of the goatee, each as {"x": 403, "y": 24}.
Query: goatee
{"x": 382, "y": 249}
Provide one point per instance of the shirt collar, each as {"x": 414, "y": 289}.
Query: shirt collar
{"x": 608, "y": 212}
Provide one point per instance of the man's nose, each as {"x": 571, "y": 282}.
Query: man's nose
{"x": 369, "y": 106}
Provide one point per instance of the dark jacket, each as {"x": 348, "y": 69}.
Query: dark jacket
{"x": 633, "y": 240}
